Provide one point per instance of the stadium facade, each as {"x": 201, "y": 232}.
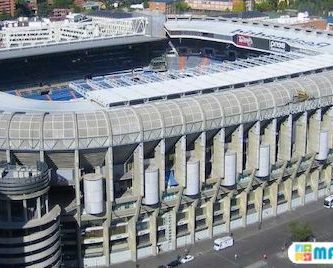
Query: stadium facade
{"x": 168, "y": 159}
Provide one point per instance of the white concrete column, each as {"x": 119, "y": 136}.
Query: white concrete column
{"x": 236, "y": 145}
{"x": 243, "y": 207}
{"x": 327, "y": 171}
{"x": 253, "y": 147}
{"x": 106, "y": 242}
{"x": 191, "y": 220}
{"x": 109, "y": 178}
{"x": 173, "y": 229}
{"x": 132, "y": 245}
{"x": 273, "y": 197}
{"x": 218, "y": 154}
{"x": 39, "y": 208}
{"x": 25, "y": 212}
{"x": 327, "y": 124}
{"x": 300, "y": 135}
{"x": 210, "y": 217}
{"x": 313, "y": 132}
{"x": 284, "y": 145}
{"x": 269, "y": 137}
{"x": 258, "y": 198}
{"x": 301, "y": 184}
{"x": 153, "y": 232}
{"x": 138, "y": 171}
{"x": 314, "y": 176}
{"x": 200, "y": 154}
{"x": 288, "y": 188}
{"x": 180, "y": 161}
{"x": 226, "y": 212}
{"x": 160, "y": 163}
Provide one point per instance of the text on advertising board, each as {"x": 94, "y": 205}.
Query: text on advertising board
{"x": 277, "y": 46}
{"x": 244, "y": 40}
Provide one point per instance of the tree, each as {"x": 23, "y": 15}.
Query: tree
{"x": 238, "y": 6}
{"x": 300, "y": 232}
{"x": 145, "y": 4}
{"x": 4, "y": 15}
{"x": 182, "y": 6}
{"x": 22, "y": 9}
{"x": 282, "y": 5}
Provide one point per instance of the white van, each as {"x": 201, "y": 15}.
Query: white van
{"x": 328, "y": 202}
{"x": 223, "y": 242}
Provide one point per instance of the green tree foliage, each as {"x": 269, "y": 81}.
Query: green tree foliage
{"x": 239, "y": 7}
{"x": 22, "y": 9}
{"x": 145, "y": 4}
{"x": 282, "y": 5}
{"x": 300, "y": 232}
{"x": 314, "y": 7}
{"x": 4, "y": 15}
{"x": 182, "y": 6}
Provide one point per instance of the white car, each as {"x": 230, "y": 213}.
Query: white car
{"x": 186, "y": 259}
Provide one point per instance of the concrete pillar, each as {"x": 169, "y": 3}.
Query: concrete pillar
{"x": 200, "y": 154}
{"x": 243, "y": 207}
{"x": 106, "y": 242}
{"x": 226, "y": 212}
{"x": 138, "y": 170}
{"x": 41, "y": 156}
{"x": 218, "y": 155}
{"x": 39, "y": 209}
{"x": 258, "y": 198}
{"x": 284, "y": 145}
{"x": 236, "y": 145}
{"x": 210, "y": 217}
{"x": 109, "y": 179}
{"x": 191, "y": 220}
{"x": 327, "y": 171}
{"x": 327, "y": 123}
{"x": 47, "y": 203}
{"x": 77, "y": 174}
{"x": 25, "y": 212}
{"x": 132, "y": 245}
{"x": 269, "y": 137}
{"x": 173, "y": 229}
{"x": 273, "y": 197}
{"x": 180, "y": 161}
{"x": 160, "y": 163}
{"x": 314, "y": 176}
{"x": 8, "y": 157}
{"x": 300, "y": 135}
{"x": 153, "y": 232}
{"x": 253, "y": 147}
{"x": 288, "y": 188}
{"x": 313, "y": 132}
{"x": 301, "y": 187}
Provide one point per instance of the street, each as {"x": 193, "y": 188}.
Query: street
{"x": 251, "y": 243}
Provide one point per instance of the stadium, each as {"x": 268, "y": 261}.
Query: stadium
{"x": 232, "y": 125}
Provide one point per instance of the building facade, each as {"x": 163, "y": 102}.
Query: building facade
{"x": 164, "y": 6}
{"x": 219, "y": 5}
{"x": 7, "y": 7}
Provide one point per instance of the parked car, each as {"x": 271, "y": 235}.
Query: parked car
{"x": 186, "y": 259}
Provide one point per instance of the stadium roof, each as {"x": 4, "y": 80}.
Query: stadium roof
{"x": 100, "y": 91}
{"x": 225, "y": 29}
{"x": 162, "y": 119}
